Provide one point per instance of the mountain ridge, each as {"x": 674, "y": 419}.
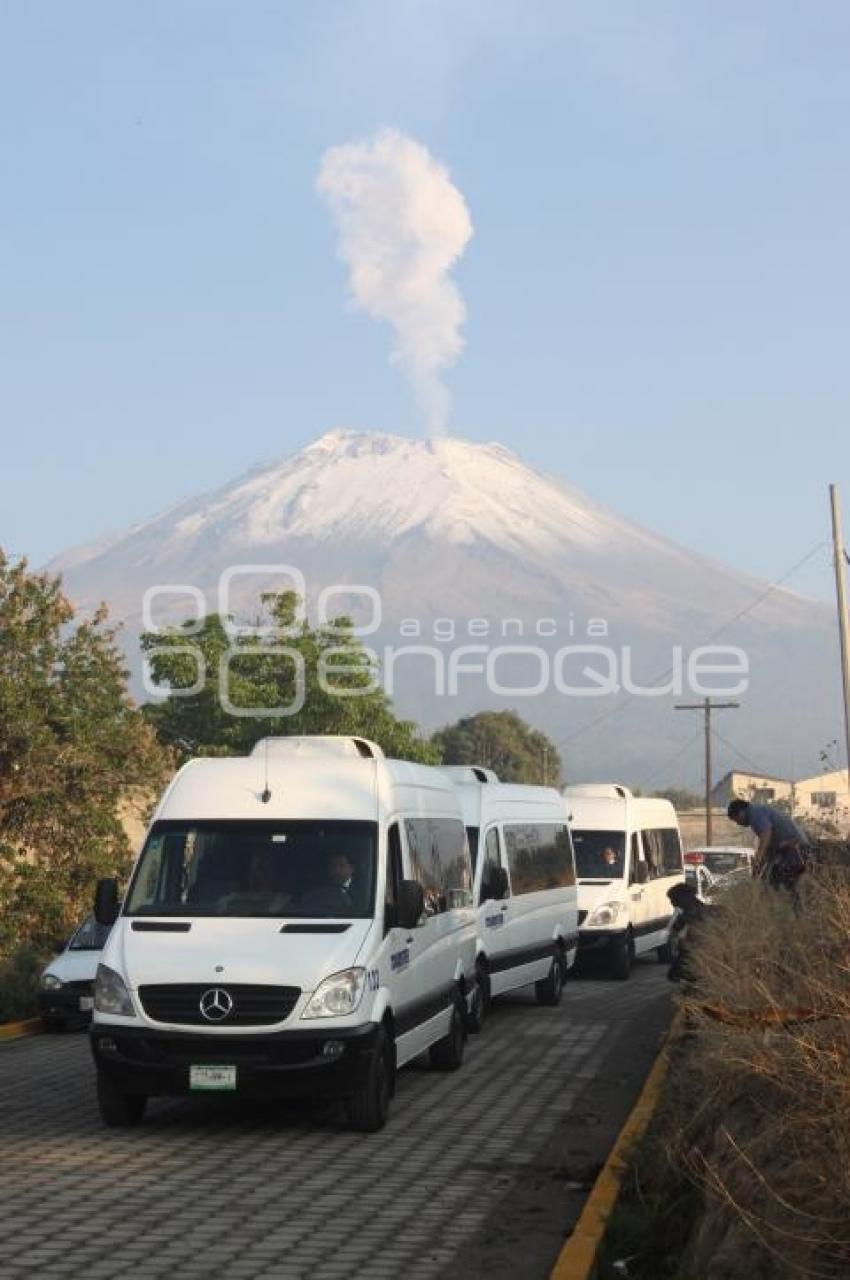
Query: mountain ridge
{"x": 454, "y": 528}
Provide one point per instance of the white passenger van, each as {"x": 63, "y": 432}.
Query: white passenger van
{"x": 524, "y": 887}
{"x": 628, "y": 854}
{"x": 298, "y": 923}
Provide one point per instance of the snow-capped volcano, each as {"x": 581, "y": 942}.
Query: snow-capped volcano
{"x": 451, "y": 532}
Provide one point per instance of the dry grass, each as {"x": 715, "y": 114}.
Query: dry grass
{"x": 759, "y": 1111}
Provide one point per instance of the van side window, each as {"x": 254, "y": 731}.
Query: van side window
{"x": 671, "y": 846}
{"x": 439, "y": 860}
{"x": 634, "y": 858}
{"x": 654, "y": 853}
{"x": 492, "y": 862}
{"x": 540, "y": 856}
{"x": 394, "y": 877}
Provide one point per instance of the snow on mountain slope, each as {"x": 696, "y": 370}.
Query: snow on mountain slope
{"x": 451, "y": 529}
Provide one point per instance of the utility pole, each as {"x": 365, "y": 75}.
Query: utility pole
{"x": 841, "y": 594}
{"x": 545, "y": 766}
{"x": 706, "y": 707}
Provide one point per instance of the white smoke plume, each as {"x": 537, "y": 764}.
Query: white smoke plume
{"x": 402, "y": 225}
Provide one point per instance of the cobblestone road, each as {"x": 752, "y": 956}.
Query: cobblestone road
{"x": 218, "y": 1188}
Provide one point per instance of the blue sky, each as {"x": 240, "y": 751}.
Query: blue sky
{"x": 658, "y": 286}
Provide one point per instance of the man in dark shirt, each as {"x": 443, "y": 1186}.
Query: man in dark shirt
{"x": 780, "y": 857}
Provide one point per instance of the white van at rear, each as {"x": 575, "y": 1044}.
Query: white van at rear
{"x": 298, "y": 923}
{"x": 628, "y": 854}
{"x": 524, "y": 888}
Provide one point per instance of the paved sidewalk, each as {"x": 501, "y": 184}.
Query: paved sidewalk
{"x": 219, "y": 1188}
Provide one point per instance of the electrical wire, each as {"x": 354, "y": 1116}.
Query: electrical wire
{"x": 629, "y": 699}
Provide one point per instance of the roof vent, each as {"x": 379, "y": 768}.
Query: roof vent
{"x": 470, "y": 773}
{"x": 303, "y": 746}
{"x": 598, "y": 791}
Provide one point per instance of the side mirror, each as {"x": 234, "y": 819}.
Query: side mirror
{"x": 411, "y": 904}
{"x": 106, "y": 903}
{"x": 499, "y": 887}
{"x": 641, "y": 872}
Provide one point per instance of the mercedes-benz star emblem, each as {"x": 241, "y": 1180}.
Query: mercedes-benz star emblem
{"x": 216, "y": 1004}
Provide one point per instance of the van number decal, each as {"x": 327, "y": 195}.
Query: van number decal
{"x": 373, "y": 979}
{"x": 494, "y": 922}
{"x": 400, "y": 960}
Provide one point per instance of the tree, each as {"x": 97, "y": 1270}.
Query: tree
{"x": 341, "y": 692}
{"x": 73, "y": 748}
{"x": 501, "y": 740}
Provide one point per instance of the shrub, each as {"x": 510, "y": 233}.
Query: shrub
{"x": 19, "y": 974}
{"x": 766, "y": 1069}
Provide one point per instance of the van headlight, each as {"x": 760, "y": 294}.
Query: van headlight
{"x": 111, "y": 994}
{"x": 337, "y": 996}
{"x": 49, "y": 982}
{"x": 606, "y": 913}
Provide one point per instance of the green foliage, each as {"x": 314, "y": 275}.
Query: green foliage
{"x": 351, "y": 702}
{"x": 501, "y": 740}
{"x": 72, "y": 747}
{"x": 19, "y": 974}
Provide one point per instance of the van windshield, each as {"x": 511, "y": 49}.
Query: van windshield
{"x": 600, "y": 855}
{"x": 309, "y": 869}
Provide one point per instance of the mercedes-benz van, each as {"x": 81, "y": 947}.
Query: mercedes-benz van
{"x": 628, "y": 854}
{"x": 299, "y": 922}
{"x": 524, "y": 887}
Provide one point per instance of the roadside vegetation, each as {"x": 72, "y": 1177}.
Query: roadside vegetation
{"x": 73, "y": 748}
{"x": 746, "y": 1168}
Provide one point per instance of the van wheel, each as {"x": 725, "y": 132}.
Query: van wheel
{"x": 550, "y": 989}
{"x": 119, "y": 1110}
{"x": 622, "y": 956}
{"x": 477, "y": 1015}
{"x": 369, "y": 1107}
{"x": 447, "y": 1054}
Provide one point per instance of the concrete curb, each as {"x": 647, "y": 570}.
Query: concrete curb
{"x": 14, "y": 1030}
{"x": 577, "y": 1258}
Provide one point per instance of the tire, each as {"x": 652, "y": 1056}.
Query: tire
{"x": 447, "y": 1054}
{"x": 119, "y": 1110}
{"x": 368, "y": 1109}
{"x": 477, "y": 1015}
{"x": 550, "y": 989}
{"x": 622, "y": 957}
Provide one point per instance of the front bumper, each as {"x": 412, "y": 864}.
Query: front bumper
{"x": 590, "y": 940}
{"x": 284, "y": 1064}
{"x": 64, "y": 1005}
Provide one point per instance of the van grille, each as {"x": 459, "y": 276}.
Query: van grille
{"x": 253, "y": 1006}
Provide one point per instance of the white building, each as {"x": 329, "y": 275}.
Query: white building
{"x": 819, "y": 801}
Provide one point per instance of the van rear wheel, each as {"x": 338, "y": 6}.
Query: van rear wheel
{"x": 369, "y": 1107}
{"x": 550, "y": 989}
{"x": 119, "y": 1110}
{"x": 447, "y": 1054}
{"x": 622, "y": 956}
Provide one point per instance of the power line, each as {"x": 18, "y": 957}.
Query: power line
{"x": 742, "y": 755}
{"x": 662, "y": 769}
{"x": 629, "y": 698}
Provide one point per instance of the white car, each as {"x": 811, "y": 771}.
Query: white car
{"x": 66, "y": 987}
